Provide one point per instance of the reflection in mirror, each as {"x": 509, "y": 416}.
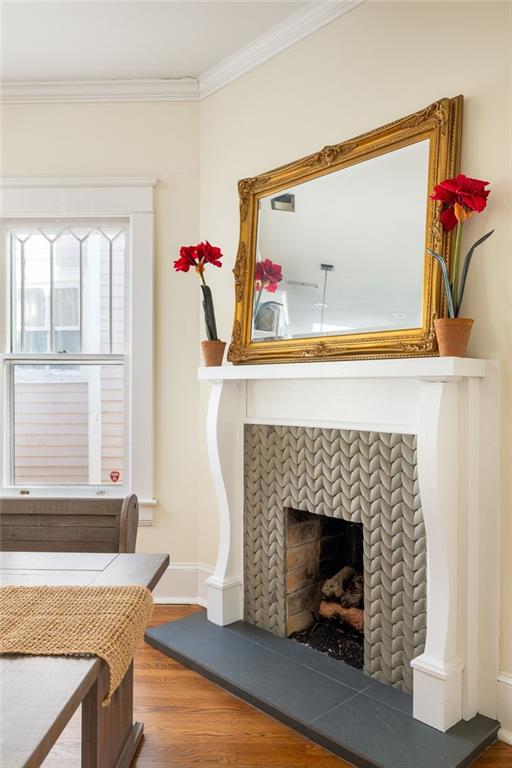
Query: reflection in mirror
{"x": 344, "y": 253}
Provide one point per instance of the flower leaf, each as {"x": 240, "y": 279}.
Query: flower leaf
{"x": 467, "y": 262}
{"x": 209, "y": 314}
{"x": 446, "y": 281}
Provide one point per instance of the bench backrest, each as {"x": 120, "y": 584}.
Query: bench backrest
{"x": 69, "y": 525}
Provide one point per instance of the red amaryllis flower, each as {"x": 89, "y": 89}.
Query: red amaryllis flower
{"x": 197, "y": 256}
{"x": 267, "y": 275}
{"x": 462, "y": 197}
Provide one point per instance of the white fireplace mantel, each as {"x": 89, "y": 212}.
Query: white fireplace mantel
{"x": 425, "y": 368}
{"x": 452, "y": 404}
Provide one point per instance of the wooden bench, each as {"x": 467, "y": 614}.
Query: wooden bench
{"x": 69, "y": 525}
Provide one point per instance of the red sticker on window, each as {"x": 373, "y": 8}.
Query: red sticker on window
{"x": 115, "y": 475}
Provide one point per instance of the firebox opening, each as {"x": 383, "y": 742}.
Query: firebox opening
{"x": 325, "y": 585}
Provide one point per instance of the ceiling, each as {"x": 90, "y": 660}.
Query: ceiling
{"x": 65, "y": 41}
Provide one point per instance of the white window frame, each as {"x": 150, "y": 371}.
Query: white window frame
{"x": 94, "y": 198}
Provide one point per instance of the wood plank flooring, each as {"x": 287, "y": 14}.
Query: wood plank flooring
{"x": 190, "y": 722}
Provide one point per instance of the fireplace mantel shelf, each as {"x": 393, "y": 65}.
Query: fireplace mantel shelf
{"x": 424, "y": 368}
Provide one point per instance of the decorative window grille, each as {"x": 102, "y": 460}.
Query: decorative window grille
{"x": 66, "y": 367}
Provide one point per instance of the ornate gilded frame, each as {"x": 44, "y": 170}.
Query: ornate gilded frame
{"x": 441, "y": 123}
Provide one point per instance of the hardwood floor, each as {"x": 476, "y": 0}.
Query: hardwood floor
{"x": 190, "y": 722}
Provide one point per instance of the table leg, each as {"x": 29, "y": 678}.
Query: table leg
{"x": 109, "y": 736}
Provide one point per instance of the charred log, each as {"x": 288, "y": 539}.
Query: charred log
{"x": 354, "y": 617}
{"x": 345, "y": 587}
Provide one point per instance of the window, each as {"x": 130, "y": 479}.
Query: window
{"x": 67, "y": 287}
{"x": 77, "y": 384}
{"x": 67, "y": 420}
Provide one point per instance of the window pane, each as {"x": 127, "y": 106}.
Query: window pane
{"x": 104, "y": 263}
{"x": 67, "y": 307}
{"x": 69, "y": 288}
{"x": 35, "y": 308}
{"x": 67, "y": 341}
{"x": 66, "y": 293}
{"x": 118, "y": 260}
{"x": 31, "y": 264}
{"x": 36, "y": 342}
{"x": 68, "y": 424}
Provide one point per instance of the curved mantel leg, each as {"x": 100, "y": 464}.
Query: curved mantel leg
{"x": 225, "y": 451}
{"x": 438, "y": 671}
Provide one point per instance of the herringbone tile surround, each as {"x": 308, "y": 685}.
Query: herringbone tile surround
{"x": 363, "y": 477}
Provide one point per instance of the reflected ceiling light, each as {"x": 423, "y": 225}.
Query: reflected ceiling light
{"x": 283, "y": 203}
{"x": 302, "y": 285}
{"x": 326, "y": 268}
{"x": 399, "y": 315}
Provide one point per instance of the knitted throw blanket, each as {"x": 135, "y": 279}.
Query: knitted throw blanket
{"x": 108, "y": 622}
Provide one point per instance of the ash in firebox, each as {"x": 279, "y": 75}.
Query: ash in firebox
{"x": 340, "y": 642}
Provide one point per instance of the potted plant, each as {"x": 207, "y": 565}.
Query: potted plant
{"x": 198, "y": 256}
{"x": 461, "y": 198}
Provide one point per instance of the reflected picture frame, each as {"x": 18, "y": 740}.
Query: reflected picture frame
{"x": 267, "y": 319}
{"x": 441, "y": 124}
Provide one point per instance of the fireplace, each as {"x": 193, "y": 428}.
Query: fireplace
{"x": 325, "y": 585}
{"x": 424, "y": 487}
{"x": 367, "y": 480}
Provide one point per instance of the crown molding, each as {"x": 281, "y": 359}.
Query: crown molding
{"x": 75, "y": 91}
{"x": 81, "y": 181}
{"x": 296, "y": 27}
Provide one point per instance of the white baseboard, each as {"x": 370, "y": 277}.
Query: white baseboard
{"x": 183, "y": 584}
{"x": 505, "y": 736}
{"x": 505, "y": 706}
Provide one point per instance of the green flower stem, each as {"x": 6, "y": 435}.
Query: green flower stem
{"x": 456, "y": 267}
{"x": 256, "y": 305}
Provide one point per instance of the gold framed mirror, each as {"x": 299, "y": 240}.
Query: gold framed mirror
{"x": 332, "y": 260}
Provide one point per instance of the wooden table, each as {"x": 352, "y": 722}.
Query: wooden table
{"x": 39, "y": 694}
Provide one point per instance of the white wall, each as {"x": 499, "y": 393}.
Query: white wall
{"x": 144, "y": 140}
{"x": 377, "y": 63}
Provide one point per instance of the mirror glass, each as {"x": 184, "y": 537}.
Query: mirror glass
{"x": 344, "y": 253}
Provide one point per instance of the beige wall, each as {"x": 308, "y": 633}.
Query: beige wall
{"x": 143, "y": 140}
{"x": 377, "y": 63}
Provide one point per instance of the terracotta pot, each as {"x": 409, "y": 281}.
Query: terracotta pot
{"x": 453, "y": 335}
{"x": 213, "y": 352}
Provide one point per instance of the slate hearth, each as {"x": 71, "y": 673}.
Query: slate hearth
{"x": 367, "y": 723}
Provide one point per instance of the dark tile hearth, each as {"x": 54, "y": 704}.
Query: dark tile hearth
{"x": 364, "y": 722}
